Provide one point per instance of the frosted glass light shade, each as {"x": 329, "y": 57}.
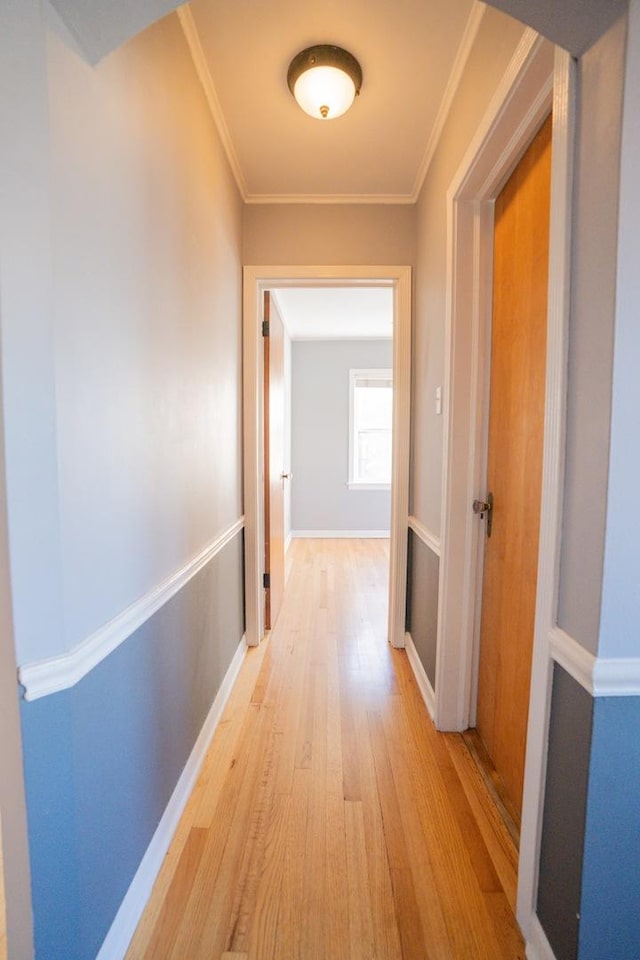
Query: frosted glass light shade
{"x": 324, "y": 92}
{"x": 325, "y": 80}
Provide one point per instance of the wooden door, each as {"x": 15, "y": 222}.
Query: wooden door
{"x": 514, "y": 469}
{"x": 274, "y": 472}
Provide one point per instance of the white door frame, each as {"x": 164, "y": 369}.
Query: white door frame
{"x": 537, "y": 79}
{"x": 257, "y": 279}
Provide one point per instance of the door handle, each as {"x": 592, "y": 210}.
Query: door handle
{"x": 287, "y": 476}
{"x": 485, "y": 506}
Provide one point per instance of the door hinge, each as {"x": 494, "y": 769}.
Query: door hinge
{"x": 265, "y": 328}
{"x": 266, "y": 580}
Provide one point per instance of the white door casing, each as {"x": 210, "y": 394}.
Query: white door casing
{"x": 257, "y": 279}
{"x": 537, "y": 80}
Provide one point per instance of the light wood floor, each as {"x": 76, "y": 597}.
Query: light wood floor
{"x": 330, "y": 819}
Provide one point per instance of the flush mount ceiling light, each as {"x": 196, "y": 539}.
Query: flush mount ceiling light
{"x": 325, "y": 80}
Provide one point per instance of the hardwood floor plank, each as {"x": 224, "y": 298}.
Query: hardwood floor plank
{"x": 264, "y": 928}
{"x": 313, "y": 941}
{"x": 468, "y": 924}
{"x": 435, "y": 929}
{"x": 288, "y": 942}
{"x": 361, "y": 935}
{"x": 168, "y": 922}
{"x": 331, "y": 821}
{"x": 385, "y": 921}
{"x": 409, "y": 921}
{"x": 203, "y": 925}
{"x": 505, "y": 927}
{"x": 495, "y": 835}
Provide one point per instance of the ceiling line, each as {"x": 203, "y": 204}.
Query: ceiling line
{"x": 392, "y": 198}
{"x": 192, "y": 37}
{"x": 468, "y": 39}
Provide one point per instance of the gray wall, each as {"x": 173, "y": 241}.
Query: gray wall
{"x": 146, "y": 227}
{"x": 563, "y": 827}
{"x": 120, "y": 285}
{"x": 15, "y": 920}
{"x": 330, "y": 234}
{"x": 571, "y": 781}
{"x": 102, "y": 758}
{"x": 496, "y": 42}
{"x": 422, "y": 603}
{"x": 287, "y": 434}
{"x": 320, "y": 499}
{"x": 597, "y": 178}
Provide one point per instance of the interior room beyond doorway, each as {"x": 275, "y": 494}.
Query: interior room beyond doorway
{"x": 330, "y": 332}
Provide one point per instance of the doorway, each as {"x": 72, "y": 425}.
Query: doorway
{"x": 257, "y": 280}
{"x": 328, "y": 425}
{"x": 542, "y": 79}
{"x": 511, "y": 518}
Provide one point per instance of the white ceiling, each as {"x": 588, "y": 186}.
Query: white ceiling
{"x": 336, "y": 313}
{"x": 411, "y": 53}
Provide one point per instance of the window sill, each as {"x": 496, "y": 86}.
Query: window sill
{"x": 361, "y": 485}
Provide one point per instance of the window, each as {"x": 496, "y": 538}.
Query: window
{"x": 370, "y": 419}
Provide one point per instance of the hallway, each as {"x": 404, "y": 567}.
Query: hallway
{"x": 330, "y": 820}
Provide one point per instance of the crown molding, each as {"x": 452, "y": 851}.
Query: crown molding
{"x": 466, "y": 44}
{"x": 192, "y": 37}
{"x": 328, "y": 198}
{"x": 198, "y": 56}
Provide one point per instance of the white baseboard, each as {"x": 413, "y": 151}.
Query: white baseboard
{"x": 538, "y": 947}
{"x": 122, "y": 929}
{"x": 424, "y": 684}
{"x": 341, "y": 534}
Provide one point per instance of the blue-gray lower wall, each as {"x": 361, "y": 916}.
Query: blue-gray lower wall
{"x": 610, "y": 905}
{"x": 422, "y": 602}
{"x": 563, "y": 825}
{"x": 102, "y": 758}
{"x": 589, "y": 879}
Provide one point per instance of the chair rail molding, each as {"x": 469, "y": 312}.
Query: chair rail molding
{"x": 43, "y": 677}
{"x": 600, "y": 676}
{"x": 425, "y": 535}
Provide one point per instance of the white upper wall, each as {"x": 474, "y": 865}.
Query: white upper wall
{"x": 337, "y": 234}
{"x": 497, "y": 40}
{"x": 139, "y": 331}
{"x": 596, "y": 189}
{"x": 146, "y": 240}
{"x": 621, "y": 590}
{"x": 320, "y": 498}
{"x": 28, "y": 386}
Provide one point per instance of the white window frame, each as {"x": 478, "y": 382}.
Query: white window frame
{"x": 379, "y": 373}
